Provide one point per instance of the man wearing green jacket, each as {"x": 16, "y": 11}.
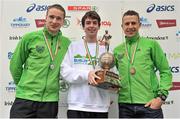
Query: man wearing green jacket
{"x": 137, "y": 60}
{"x": 35, "y": 68}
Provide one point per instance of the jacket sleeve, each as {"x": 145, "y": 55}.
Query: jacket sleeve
{"x": 115, "y": 59}
{"x": 18, "y": 59}
{"x": 69, "y": 73}
{"x": 161, "y": 64}
{"x": 115, "y": 68}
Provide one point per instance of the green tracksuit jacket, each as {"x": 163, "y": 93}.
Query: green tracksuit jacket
{"x": 144, "y": 85}
{"x": 30, "y": 69}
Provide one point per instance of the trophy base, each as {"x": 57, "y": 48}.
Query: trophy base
{"x": 108, "y": 79}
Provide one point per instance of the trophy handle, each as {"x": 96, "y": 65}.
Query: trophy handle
{"x": 101, "y": 74}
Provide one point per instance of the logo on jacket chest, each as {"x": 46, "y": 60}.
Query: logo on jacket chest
{"x": 120, "y": 56}
{"x": 40, "y": 49}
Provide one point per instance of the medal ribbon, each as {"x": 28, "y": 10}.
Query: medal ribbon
{"x": 49, "y": 48}
{"x": 134, "y": 52}
{"x": 88, "y": 52}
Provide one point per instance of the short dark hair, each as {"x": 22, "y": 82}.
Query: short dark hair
{"x": 57, "y": 6}
{"x": 92, "y": 15}
{"x": 130, "y": 13}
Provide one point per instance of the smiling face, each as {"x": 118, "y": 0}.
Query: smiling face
{"x": 130, "y": 25}
{"x": 54, "y": 20}
{"x": 91, "y": 23}
{"x": 91, "y": 27}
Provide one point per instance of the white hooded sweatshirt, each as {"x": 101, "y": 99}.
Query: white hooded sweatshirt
{"x": 74, "y": 69}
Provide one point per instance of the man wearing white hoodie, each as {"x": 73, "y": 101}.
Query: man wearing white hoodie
{"x": 78, "y": 69}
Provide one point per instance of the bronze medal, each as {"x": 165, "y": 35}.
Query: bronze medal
{"x": 132, "y": 70}
{"x": 131, "y": 59}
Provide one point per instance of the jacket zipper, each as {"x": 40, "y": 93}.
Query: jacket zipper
{"x": 129, "y": 77}
{"x": 45, "y": 86}
{"x": 46, "y": 76}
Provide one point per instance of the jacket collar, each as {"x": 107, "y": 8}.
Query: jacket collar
{"x": 50, "y": 34}
{"x": 132, "y": 39}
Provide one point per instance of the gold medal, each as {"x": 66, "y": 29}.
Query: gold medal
{"x": 132, "y": 70}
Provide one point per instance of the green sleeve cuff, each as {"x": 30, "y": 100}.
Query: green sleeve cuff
{"x": 163, "y": 92}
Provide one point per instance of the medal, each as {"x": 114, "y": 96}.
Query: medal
{"x": 52, "y": 66}
{"x": 131, "y": 60}
{"x": 132, "y": 70}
